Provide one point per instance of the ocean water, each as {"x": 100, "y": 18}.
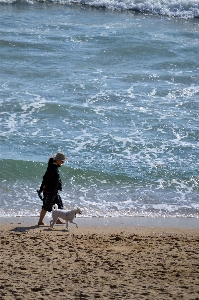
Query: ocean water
{"x": 115, "y": 86}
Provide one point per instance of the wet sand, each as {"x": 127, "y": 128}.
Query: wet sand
{"x": 98, "y": 261}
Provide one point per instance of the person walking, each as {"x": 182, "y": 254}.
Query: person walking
{"x": 50, "y": 186}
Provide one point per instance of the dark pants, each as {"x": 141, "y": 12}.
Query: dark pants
{"x": 50, "y": 199}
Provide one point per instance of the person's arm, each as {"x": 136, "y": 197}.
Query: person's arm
{"x": 47, "y": 179}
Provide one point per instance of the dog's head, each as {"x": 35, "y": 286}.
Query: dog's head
{"x": 78, "y": 211}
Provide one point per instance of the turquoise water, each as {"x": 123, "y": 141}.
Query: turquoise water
{"x": 115, "y": 86}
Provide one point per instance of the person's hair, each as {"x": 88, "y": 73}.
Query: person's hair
{"x": 50, "y": 161}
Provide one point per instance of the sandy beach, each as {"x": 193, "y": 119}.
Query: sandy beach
{"x": 98, "y": 262}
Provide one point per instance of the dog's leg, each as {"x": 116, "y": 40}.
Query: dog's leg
{"x": 66, "y": 224}
{"x": 74, "y": 223}
{"x": 52, "y": 222}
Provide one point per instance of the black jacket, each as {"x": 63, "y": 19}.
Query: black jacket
{"x": 51, "y": 179}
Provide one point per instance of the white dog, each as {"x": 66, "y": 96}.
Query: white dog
{"x": 68, "y": 216}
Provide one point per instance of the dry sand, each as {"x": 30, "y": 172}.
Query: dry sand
{"x": 98, "y": 262}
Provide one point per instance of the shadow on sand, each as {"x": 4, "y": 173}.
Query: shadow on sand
{"x": 42, "y": 228}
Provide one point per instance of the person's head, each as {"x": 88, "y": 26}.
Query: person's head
{"x": 59, "y": 158}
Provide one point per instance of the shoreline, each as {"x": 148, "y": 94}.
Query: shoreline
{"x": 112, "y": 222}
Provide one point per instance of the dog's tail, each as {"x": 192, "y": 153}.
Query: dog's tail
{"x": 55, "y": 207}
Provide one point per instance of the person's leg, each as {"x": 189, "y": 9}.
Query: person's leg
{"x": 42, "y": 215}
{"x": 59, "y": 222}
{"x": 45, "y": 207}
{"x": 58, "y": 201}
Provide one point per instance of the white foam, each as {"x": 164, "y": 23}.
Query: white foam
{"x": 171, "y": 8}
